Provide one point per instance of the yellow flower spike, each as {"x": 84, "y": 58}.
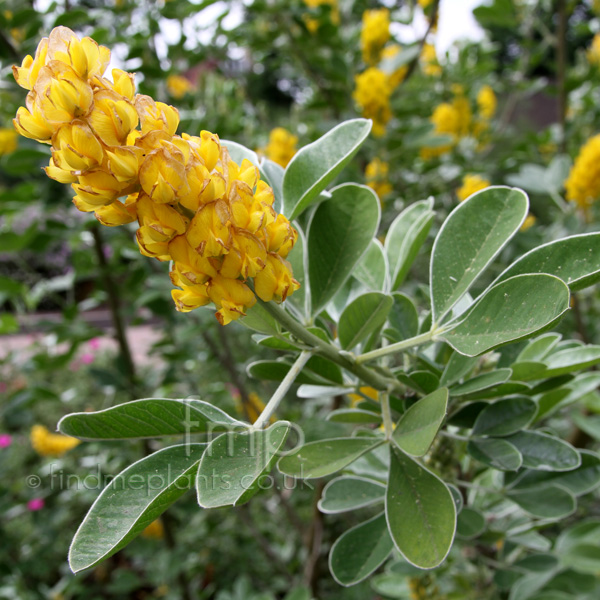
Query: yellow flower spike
{"x": 231, "y": 297}
{"x": 190, "y": 297}
{"x": 188, "y": 264}
{"x": 372, "y": 94}
{"x": 208, "y": 232}
{"x": 487, "y": 102}
{"x": 593, "y": 53}
{"x": 118, "y": 213}
{"x": 162, "y": 176}
{"x": 280, "y": 236}
{"x": 275, "y": 281}
{"x": 470, "y": 185}
{"x": 26, "y": 75}
{"x": 156, "y": 116}
{"x": 246, "y": 256}
{"x": 178, "y": 86}
{"x": 8, "y": 141}
{"x": 113, "y": 118}
{"x": 85, "y": 56}
{"x": 61, "y": 95}
{"x": 583, "y": 182}
{"x": 110, "y": 143}
{"x": 374, "y": 34}
{"x": 46, "y": 443}
{"x": 281, "y": 147}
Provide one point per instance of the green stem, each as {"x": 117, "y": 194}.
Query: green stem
{"x": 397, "y": 347}
{"x": 386, "y": 413}
{"x": 327, "y": 350}
{"x": 282, "y": 390}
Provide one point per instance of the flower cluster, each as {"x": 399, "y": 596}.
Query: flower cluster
{"x": 8, "y": 141}
{"x": 470, "y": 185}
{"x": 281, "y": 147}
{"x": 487, "y": 102}
{"x": 46, "y": 443}
{"x": 195, "y": 207}
{"x": 376, "y": 173}
{"x": 374, "y": 34}
{"x": 593, "y": 53}
{"x": 178, "y": 86}
{"x": 583, "y": 183}
{"x": 456, "y": 119}
{"x": 430, "y": 65}
{"x": 372, "y": 93}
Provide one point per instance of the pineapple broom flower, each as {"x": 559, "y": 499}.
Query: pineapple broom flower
{"x": 214, "y": 219}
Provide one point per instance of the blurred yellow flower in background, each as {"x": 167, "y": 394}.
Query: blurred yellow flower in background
{"x": 178, "y": 86}
{"x": 470, "y": 185}
{"x": 529, "y": 222}
{"x": 429, "y": 61}
{"x": 9, "y": 140}
{"x": 376, "y": 174}
{"x": 372, "y": 94}
{"x": 487, "y": 102}
{"x": 593, "y": 53}
{"x": 46, "y": 443}
{"x": 154, "y": 531}
{"x": 583, "y": 182}
{"x": 375, "y": 34}
{"x": 281, "y": 147}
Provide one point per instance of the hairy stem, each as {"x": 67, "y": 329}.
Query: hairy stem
{"x": 328, "y": 350}
{"x": 397, "y": 347}
{"x": 282, "y": 390}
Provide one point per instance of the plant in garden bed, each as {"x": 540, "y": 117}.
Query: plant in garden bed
{"x": 433, "y": 420}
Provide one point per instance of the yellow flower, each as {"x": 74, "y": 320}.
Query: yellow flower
{"x": 212, "y": 218}
{"x": 372, "y": 94}
{"x": 487, "y": 102}
{"x": 583, "y": 182}
{"x": 50, "y": 444}
{"x": 425, "y": 3}
{"x": 253, "y": 408}
{"x": 528, "y": 223}
{"x": 281, "y": 147}
{"x": 8, "y": 140}
{"x": 154, "y": 531}
{"x": 397, "y": 77}
{"x": 593, "y": 53}
{"x": 431, "y": 66}
{"x": 470, "y": 185}
{"x": 374, "y": 34}
{"x": 178, "y": 86}
{"x": 365, "y": 391}
{"x": 376, "y": 173}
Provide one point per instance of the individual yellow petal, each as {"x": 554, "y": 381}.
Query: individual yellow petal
{"x": 118, "y": 213}
{"x": 190, "y": 297}
{"x": 113, "y": 117}
{"x": 231, "y": 297}
{"x": 188, "y": 263}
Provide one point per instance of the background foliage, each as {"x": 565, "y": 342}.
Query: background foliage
{"x": 242, "y": 70}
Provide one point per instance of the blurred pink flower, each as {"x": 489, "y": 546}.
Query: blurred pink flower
{"x": 87, "y": 358}
{"x": 3, "y": 387}
{"x": 5, "y": 440}
{"x": 94, "y": 343}
{"x": 35, "y": 504}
